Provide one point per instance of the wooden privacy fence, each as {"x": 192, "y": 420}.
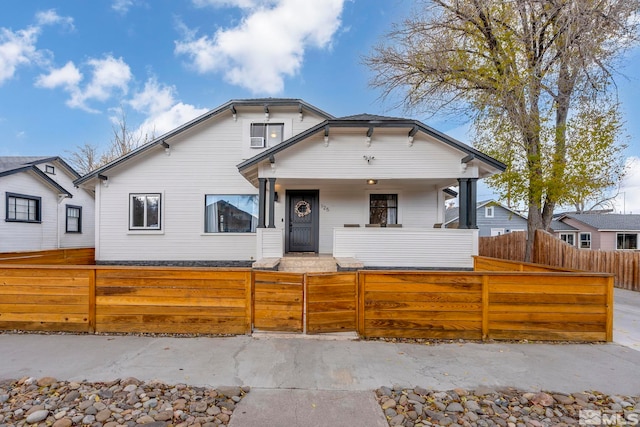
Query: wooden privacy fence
{"x": 78, "y": 256}
{"x": 551, "y": 251}
{"x": 426, "y": 304}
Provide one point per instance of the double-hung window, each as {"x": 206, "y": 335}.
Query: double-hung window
{"x": 144, "y": 211}
{"x": 585, "y": 240}
{"x": 74, "y": 219}
{"x": 627, "y": 241}
{"x": 567, "y": 237}
{"x": 383, "y": 209}
{"x": 230, "y": 213}
{"x": 22, "y": 208}
{"x": 266, "y": 134}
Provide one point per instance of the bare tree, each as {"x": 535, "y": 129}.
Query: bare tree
{"x": 520, "y": 61}
{"x": 88, "y": 157}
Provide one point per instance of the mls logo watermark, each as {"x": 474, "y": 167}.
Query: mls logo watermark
{"x": 591, "y": 417}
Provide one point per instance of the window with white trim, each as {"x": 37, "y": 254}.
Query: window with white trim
{"x": 585, "y": 240}
{"x": 627, "y": 241}
{"x": 230, "y": 213}
{"x": 497, "y": 231}
{"x": 266, "y": 134}
{"x": 488, "y": 211}
{"x": 23, "y": 208}
{"x": 144, "y": 211}
{"x": 568, "y": 237}
{"x": 74, "y": 219}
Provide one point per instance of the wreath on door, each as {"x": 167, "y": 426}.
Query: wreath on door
{"x": 302, "y": 208}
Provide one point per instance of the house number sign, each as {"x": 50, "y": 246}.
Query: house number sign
{"x": 302, "y": 208}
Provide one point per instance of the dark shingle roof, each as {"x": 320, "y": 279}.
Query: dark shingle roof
{"x": 11, "y": 163}
{"x": 561, "y": 226}
{"x": 608, "y": 221}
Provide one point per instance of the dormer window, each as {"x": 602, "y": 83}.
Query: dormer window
{"x": 266, "y": 134}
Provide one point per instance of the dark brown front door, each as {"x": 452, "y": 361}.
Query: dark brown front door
{"x": 302, "y": 208}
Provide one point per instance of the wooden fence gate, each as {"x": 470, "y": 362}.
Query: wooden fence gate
{"x": 287, "y": 302}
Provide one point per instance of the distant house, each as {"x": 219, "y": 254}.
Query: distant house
{"x": 598, "y": 231}
{"x": 260, "y": 178}
{"x": 42, "y": 208}
{"x": 492, "y": 218}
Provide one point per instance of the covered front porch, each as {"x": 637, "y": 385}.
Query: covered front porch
{"x": 383, "y": 247}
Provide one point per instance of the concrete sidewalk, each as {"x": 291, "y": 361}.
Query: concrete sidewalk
{"x": 313, "y": 364}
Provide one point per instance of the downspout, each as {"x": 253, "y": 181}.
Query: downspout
{"x": 61, "y": 197}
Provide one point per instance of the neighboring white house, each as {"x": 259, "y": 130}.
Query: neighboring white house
{"x": 42, "y": 208}
{"x": 260, "y": 178}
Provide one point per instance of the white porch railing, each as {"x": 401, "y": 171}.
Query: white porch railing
{"x": 407, "y": 247}
{"x": 270, "y": 243}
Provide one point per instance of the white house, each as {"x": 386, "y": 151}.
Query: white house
{"x": 42, "y": 208}
{"x": 261, "y": 178}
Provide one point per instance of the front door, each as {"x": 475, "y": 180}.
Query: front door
{"x": 302, "y": 212}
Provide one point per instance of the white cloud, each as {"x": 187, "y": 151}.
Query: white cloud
{"x": 121, "y": 6}
{"x": 16, "y": 49}
{"x": 628, "y": 201}
{"x": 269, "y": 43}
{"x": 157, "y": 102}
{"x": 68, "y": 76}
{"x": 51, "y": 17}
{"x": 243, "y": 4}
{"x": 109, "y": 75}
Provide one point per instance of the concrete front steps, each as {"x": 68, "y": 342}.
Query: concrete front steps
{"x": 308, "y": 264}
{"x": 302, "y": 264}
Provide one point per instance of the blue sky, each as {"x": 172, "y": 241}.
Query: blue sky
{"x": 66, "y": 66}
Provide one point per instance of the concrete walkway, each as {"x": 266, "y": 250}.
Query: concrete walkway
{"x": 626, "y": 322}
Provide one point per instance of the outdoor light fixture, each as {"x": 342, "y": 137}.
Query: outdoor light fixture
{"x": 372, "y": 181}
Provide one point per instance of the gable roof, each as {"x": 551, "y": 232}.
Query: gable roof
{"x": 561, "y": 226}
{"x": 228, "y": 107}
{"x": 10, "y": 165}
{"x": 607, "y": 222}
{"x": 451, "y": 214}
{"x": 372, "y": 121}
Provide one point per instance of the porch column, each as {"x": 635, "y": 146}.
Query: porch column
{"x": 262, "y": 187}
{"x": 472, "y": 203}
{"x": 463, "y": 200}
{"x": 272, "y": 202}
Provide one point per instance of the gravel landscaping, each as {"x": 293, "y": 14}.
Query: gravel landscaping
{"x": 46, "y": 402}
{"x": 487, "y": 407}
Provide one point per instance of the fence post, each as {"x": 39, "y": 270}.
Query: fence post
{"x": 485, "y": 307}
{"x": 249, "y": 281}
{"x": 609, "y": 334}
{"x": 360, "y": 304}
{"x": 92, "y": 300}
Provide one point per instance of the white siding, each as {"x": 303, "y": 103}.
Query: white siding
{"x": 22, "y": 236}
{"x": 201, "y": 161}
{"x": 81, "y": 198}
{"x": 391, "y": 158}
{"x": 391, "y": 247}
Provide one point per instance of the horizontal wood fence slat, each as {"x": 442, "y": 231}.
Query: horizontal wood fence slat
{"x": 551, "y": 251}
{"x": 75, "y": 256}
